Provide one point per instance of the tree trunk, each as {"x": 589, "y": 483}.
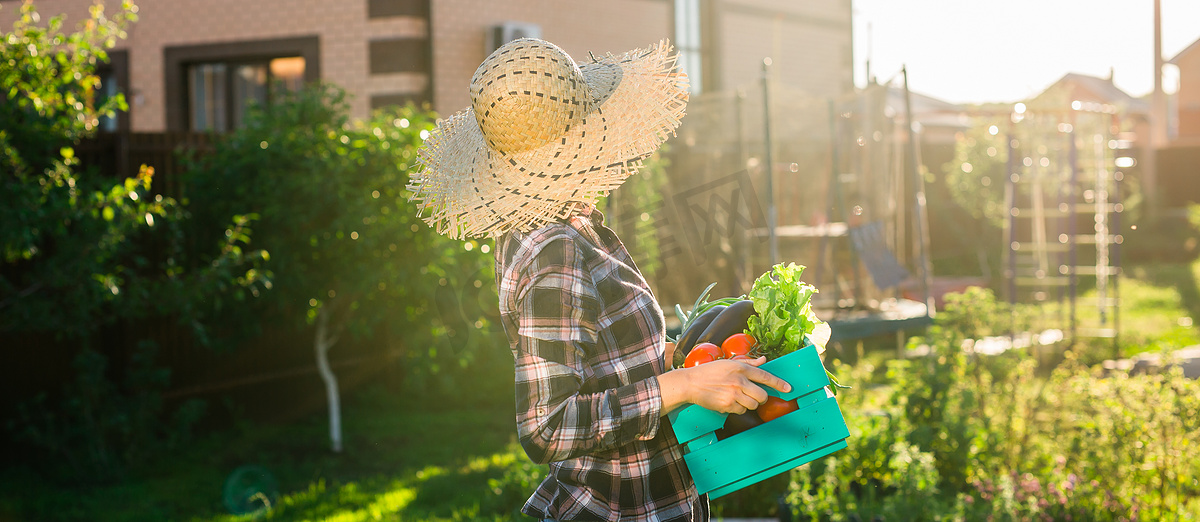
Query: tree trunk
{"x": 322, "y": 344}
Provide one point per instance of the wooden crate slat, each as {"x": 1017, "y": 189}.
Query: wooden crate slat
{"x": 775, "y": 470}
{"x": 802, "y": 369}
{"x": 702, "y": 441}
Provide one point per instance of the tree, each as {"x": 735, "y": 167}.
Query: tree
{"x": 348, "y": 253}
{"x": 80, "y": 252}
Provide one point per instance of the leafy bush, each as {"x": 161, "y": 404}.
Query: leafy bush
{"x": 348, "y": 250}
{"x": 101, "y": 428}
{"x": 79, "y": 252}
{"x": 963, "y": 436}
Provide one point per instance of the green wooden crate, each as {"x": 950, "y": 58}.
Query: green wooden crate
{"x": 815, "y": 430}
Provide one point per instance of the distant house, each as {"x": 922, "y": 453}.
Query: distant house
{"x": 1187, "y": 98}
{"x": 1086, "y": 88}
{"x": 940, "y": 120}
{"x": 1095, "y": 91}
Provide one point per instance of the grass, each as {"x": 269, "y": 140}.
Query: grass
{"x": 1159, "y": 311}
{"x": 402, "y": 462}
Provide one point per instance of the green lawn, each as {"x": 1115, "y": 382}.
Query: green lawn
{"x": 402, "y": 462}
{"x": 1160, "y": 311}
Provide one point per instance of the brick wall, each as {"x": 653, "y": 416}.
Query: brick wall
{"x": 809, "y": 44}
{"x": 578, "y": 26}
{"x": 1189, "y": 97}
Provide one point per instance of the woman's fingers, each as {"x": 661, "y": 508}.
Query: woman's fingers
{"x": 756, "y": 393}
{"x": 765, "y": 378}
{"x": 748, "y": 402}
{"x": 729, "y": 386}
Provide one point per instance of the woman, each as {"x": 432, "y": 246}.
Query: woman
{"x": 543, "y": 139}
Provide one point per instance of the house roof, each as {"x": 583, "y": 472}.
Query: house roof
{"x": 929, "y": 111}
{"x": 1104, "y": 90}
{"x": 1195, "y": 46}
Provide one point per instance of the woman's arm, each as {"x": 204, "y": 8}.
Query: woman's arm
{"x": 556, "y": 311}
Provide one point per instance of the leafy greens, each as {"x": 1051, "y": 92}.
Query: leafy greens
{"x": 783, "y": 312}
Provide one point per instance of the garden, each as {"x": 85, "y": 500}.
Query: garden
{"x": 297, "y": 227}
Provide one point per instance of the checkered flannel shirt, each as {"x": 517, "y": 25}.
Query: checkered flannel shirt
{"x": 587, "y": 337}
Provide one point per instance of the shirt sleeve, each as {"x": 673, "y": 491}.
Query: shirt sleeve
{"x": 557, "y": 311}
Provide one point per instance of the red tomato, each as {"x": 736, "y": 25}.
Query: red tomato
{"x": 702, "y": 353}
{"x": 775, "y": 408}
{"x": 737, "y": 344}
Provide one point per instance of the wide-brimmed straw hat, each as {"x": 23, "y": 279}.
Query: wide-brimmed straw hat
{"x": 544, "y": 135}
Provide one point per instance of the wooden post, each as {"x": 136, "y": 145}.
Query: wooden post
{"x": 920, "y": 216}
{"x": 772, "y": 212}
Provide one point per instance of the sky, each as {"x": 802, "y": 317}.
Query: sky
{"x": 974, "y": 51}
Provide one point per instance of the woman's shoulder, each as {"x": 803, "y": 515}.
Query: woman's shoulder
{"x": 553, "y": 242}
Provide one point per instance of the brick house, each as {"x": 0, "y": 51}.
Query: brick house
{"x": 1187, "y": 98}
{"x": 1179, "y": 161}
{"x": 191, "y": 64}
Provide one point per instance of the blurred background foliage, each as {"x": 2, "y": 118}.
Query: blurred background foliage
{"x": 82, "y": 253}
{"x": 332, "y": 233}
{"x": 343, "y": 238}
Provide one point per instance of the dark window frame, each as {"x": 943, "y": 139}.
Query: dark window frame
{"x": 176, "y": 60}
{"x": 396, "y": 8}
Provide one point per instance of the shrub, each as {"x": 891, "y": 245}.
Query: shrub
{"x": 349, "y": 254}
{"x": 971, "y": 437}
{"x": 100, "y": 428}
{"x": 79, "y": 253}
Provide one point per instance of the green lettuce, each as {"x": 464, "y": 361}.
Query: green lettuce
{"x": 783, "y": 312}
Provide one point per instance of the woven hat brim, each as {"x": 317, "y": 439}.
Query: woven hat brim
{"x": 466, "y": 189}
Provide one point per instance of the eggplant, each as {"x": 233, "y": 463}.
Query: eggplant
{"x": 735, "y": 424}
{"x": 687, "y": 340}
{"x": 732, "y": 320}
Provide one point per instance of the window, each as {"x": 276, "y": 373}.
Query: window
{"x": 688, "y": 41}
{"x": 498, "y": 35}
{"x": 220, "y": 93}
{"x": 114, "y": 79}
{"x": 211, "y": 87}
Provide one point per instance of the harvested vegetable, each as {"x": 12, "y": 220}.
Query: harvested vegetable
{"x": 732, "y": 320}
{"x": 696, "y": 322}
{"x": 783, "y": 315}
{"x": 783, "y": 312}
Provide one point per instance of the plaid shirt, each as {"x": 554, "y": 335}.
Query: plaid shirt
{"x": 587, "y": 338}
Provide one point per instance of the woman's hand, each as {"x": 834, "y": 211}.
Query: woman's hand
{"x": 725, "y": 386}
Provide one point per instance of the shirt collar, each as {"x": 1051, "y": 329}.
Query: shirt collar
{"x": 590, "y": 213}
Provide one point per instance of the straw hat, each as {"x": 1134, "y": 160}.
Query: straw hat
{"x": 543, "y": 135}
